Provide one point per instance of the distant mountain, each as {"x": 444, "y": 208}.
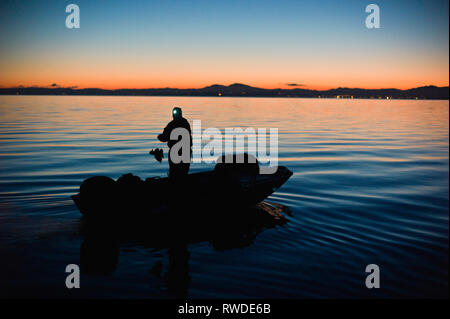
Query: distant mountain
{"x": 238, "y": 89}
{"x": 430, "y": 91}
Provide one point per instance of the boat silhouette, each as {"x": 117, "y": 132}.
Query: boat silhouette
{"x": 228, "y": 186}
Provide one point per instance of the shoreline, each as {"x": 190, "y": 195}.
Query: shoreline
{"x": 241, "y": 90}
{"x": 226, "y": 96}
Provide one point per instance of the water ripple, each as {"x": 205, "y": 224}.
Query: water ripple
{"x": 370, "y": 185}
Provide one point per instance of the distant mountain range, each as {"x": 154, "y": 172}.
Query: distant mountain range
{"x": 242, "y": 90}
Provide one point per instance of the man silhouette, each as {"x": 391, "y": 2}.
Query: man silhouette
{"x": 177, "y": 169}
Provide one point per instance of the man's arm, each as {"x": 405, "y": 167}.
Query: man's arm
{"x": 165, "y": 136}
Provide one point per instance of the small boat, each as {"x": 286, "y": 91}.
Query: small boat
{"x": 229, "y": 185}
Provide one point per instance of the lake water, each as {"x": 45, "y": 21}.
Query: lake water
{"x": 370, "y": 186}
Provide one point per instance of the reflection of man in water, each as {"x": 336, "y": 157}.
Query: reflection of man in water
{"x": 181, "y": 168}
{"x": 177, "y": 277}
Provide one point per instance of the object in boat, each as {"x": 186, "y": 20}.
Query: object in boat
{"x": 158, "y": 153}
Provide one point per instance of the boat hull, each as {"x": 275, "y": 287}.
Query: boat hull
{"x": 101, "y": 196}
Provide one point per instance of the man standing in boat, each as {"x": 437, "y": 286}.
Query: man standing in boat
{"x": 177, "y": 134}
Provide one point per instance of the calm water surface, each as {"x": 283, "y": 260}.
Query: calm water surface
{"x": 370, "y": 185}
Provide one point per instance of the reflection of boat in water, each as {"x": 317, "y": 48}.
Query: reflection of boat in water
{"x": 233, "y": 185}
{"x": 223, "y": 229}
{"x": 223, "y": 207}
{"x": 173, "y": 232}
